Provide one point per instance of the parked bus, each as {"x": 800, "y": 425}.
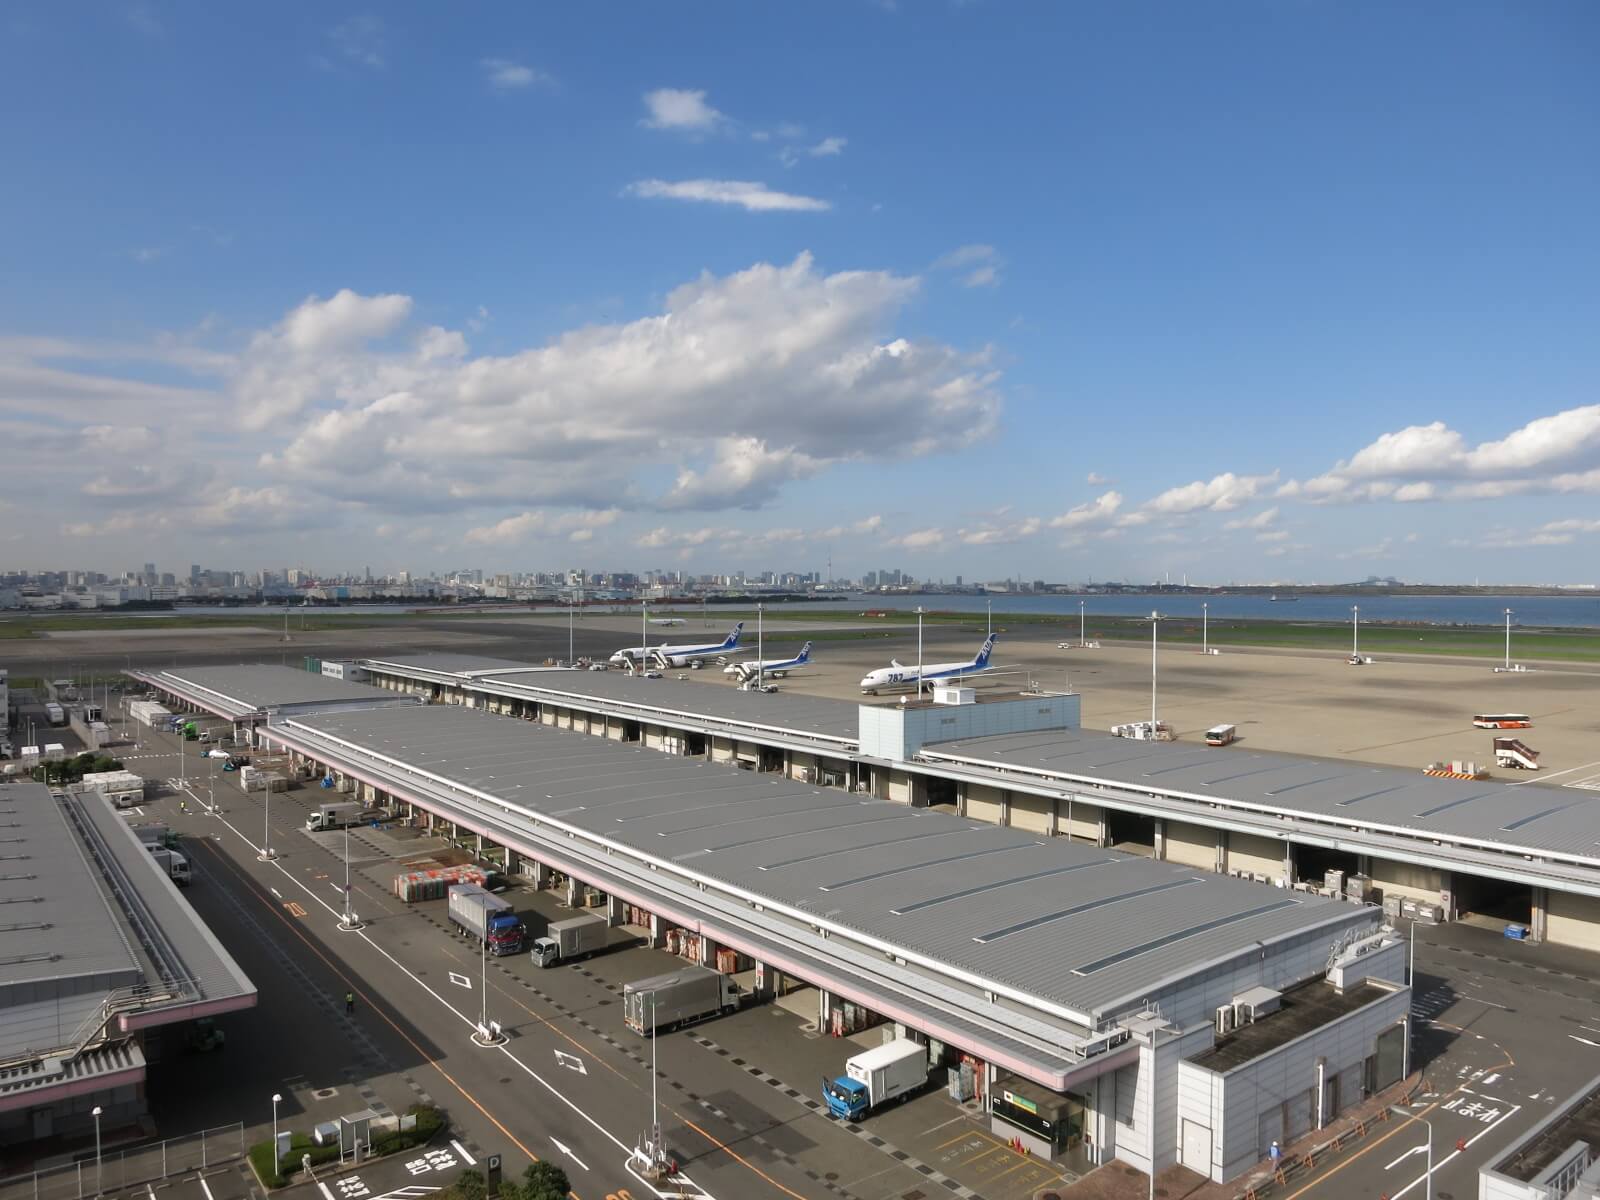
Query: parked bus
{"x": 1503, "y": 721}
{"x": 1221, "y": 735}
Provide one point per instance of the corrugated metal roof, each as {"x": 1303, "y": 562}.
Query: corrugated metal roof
{"x": 55, "y": 920}
{"x": 940, "y": 886}
{"x": 250, "y": 688}
{"x": 1530, "y": 816}
{"x": 690, "y": 700}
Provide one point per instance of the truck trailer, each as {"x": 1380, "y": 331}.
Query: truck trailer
{"x": 485, "y": 917}
{"x": 55, "y": 713}
{"x": 679, "y": 997}
{"x": 335, "y": 815}
{"x": 573, "y": 938}
{"x": 876, "y": 1077}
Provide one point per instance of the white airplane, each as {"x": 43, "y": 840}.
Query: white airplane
{"x": 897, "y": 674}
{"x": 769, "y": 668}
{"x": 665, "y": 656}
{"x": 667, "y": 621}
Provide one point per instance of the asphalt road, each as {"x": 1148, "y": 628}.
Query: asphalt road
{"x": 572, "y": 1083}
{"x": 1505, "y": 1032}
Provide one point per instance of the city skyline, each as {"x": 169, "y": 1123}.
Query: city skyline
{"x": 989, "y": 291}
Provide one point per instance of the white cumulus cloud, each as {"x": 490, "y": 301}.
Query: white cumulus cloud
{"x": 681, "y": 110}
{"x": 507, "y": 75}
{"x": 750, "y": 196}
{"x": 1221, "y": 493}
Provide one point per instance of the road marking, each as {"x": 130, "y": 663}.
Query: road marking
{"x": 462, "y": 1150}
{"x": 276, "y": 893}
{"x": 1585, "y": 1041}
{"x": 1439, "y": 1166}
{"x": 1422, "y": 1149}
{"x": 571, "y": 1062}
{"x": 1543, "y": 775}
{"x": 295, "y": 909}
{"x": 460, "y": 981}
{"x": 567, "y": 1150}
{"x": 326, "y": 1194}
{"x": 471, "y": 1023}
{"x": 1481, "y": 1000}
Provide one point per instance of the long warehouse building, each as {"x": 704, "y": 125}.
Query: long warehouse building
{"x": 1523, "y": 853}
{"x": 1108, "y": 1006}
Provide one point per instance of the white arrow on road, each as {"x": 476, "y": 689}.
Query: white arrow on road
{"x": 567, "y": 1150}
{"x": 1414, "y": 1150}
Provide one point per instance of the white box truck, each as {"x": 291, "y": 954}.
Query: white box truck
{"x": 573, "y": 938}
{"x": 335, "y": 816}
{"x": 875, "y": 1077}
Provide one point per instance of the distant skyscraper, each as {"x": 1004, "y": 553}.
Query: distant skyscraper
{"x": 149, "y": 573}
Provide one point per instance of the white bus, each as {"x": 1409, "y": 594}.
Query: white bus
{"x": 1221, "y": 735}
{"x": 1503, "y": 721}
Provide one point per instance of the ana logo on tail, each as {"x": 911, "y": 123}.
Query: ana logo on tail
{"x": 983, "y": 655}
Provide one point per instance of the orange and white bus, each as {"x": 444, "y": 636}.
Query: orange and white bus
{"x": 1503, "y": 721}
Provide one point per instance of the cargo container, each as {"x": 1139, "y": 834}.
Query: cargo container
{"x": 679, "y": 997}
{"x": 573, "y": 938}
{"x": 876, "y": 1077}
{"x": 433, "y": 885}
{"x": 486, "y": 918}
{"x": 55, "y": 713}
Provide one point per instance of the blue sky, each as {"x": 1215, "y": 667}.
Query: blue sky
{"x": 1244, "y": 291}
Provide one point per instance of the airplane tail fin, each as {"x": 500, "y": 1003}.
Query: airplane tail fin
{"x": 733, "y": 637}
{"x": 805, "y": 653}
{"x": 983, "y": 655}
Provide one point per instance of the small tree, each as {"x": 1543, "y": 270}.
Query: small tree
{"x": 545, "y": 1181}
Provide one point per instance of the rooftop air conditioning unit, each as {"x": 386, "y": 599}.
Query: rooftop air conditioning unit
{"x": 1256, "y": 1003}
{"x": 1224, "y": 1019}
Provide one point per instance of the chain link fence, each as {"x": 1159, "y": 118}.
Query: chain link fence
{"x": 118, "y": 1171}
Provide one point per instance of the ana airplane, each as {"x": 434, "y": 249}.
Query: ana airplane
{"x": 769, "y": 668}
{"x": 685, "y": 656}
{"x": 667, "y": 621}
{"x": 896, "y": 674}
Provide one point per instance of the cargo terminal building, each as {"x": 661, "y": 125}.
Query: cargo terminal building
{"x": 1106, "y": 1005}
{"x": 1443, "y": 848}
{"x": 103, "y": 967}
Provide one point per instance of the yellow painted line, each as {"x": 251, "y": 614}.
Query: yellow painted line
{"x": 960, "y": 1137}
{"x": 734, "y": 1154}
{"x": 374, "y": 1007}
{"x": 294, "y": 909}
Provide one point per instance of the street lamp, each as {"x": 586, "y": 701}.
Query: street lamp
{"x": 571, "y": 608}
{"x": 1205, "y": 627}
{"x": 1411, "y": 1116}
{"x": 1155, "y": 624}
{"x": 267, "y": 852}
{"x": 95, "y": 1112}
{"x": 1355, "y": 631}
{"x": 485, "y": 1035}
{"x": 761, "y": 678}
{"x": 920, "y": 611}
{"x": 1081, "y": 641}
{"x": 1508, "y": 639}
{"x": 347, "y": 921}
{"x": 276, "y": 1160}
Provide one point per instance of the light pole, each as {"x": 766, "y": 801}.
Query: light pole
{"x": 1155, "y": 625}
{"x": 267, "y": 853}
{"x": 1411, "y": 1116}
{"x": 1082, "y": 641}
{"x": 485, "y": 1034}
{"x": 347, "y": 922}
{"x": 920, "y": 611}
{"x": 1355, "y": 631}
{"x": 1205, "y": 627}
{"x": 1508, "y": 639}
{"x": 276, "y": 1160}
{"x": 571, "y": 608}
{"x": 211, "y": 785}
{"x": 761, "y": 678}
{"x": 644, "y": 634}
{"x": 990, "y": 604}
{"x": 95, "y": 1113}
